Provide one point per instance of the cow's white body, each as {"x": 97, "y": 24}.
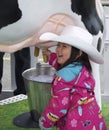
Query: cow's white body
{"x": 35, "y": 13}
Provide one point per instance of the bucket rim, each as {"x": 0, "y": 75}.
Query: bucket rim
{"x": 34, "y": 69}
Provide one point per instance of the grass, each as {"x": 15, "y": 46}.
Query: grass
{"x": 105, "y": 110}
{"x": 10, "y": 111}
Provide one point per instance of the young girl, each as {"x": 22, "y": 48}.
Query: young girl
{"x": 73, "y": 105}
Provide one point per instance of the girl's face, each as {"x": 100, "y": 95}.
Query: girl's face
{"x": 63, "y": 52}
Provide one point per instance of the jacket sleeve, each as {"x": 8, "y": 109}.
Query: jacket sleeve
{"x": 57, "y": 107}
{"x": 53, "y": 60}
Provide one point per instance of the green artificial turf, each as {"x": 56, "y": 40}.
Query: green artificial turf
{"x": 10, "y": 111}
{"x": 105, "y": 110}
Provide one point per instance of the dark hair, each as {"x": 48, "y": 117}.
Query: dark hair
{"x": 81, "y": 60}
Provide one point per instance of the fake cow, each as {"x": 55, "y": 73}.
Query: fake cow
{"x": 22, "y": 22}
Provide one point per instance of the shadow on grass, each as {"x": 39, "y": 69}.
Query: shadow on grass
{"x": 10, "y": 111}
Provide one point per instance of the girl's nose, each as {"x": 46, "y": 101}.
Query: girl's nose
{"x": 58, "y": 50}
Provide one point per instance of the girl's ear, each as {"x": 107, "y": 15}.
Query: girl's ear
{"x": 80, "y": 53}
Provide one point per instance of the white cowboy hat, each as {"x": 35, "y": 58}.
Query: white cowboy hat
{"x": 77, "y": 37}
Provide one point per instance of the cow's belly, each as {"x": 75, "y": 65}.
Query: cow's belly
{"x": 34, "y": 14}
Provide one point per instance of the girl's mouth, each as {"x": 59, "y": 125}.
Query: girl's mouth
{"x": 60, "y": 56}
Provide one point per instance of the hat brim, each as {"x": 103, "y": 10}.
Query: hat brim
{"x": 92, "y": 52}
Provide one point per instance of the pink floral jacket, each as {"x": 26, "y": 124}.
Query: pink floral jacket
{"x": 73, "y": 105}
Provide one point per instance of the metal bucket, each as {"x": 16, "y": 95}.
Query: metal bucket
{"x": 38, "y": 82}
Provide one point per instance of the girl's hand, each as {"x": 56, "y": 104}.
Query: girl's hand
{"x": 39, "y": 125}
{"x": 46, "y": 52}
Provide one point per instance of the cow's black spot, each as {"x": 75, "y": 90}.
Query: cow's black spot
{"x": 90, "y": 18}
{"x": 99, "y": 44}
{"x": 9, "y": 12}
